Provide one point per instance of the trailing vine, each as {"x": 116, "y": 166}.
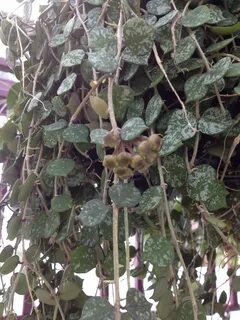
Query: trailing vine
{"x": 124, "y": 122}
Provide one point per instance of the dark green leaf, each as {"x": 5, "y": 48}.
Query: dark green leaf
{"x": 76, "y": 133}
{"x": 61, "y": 203}
{"x": 83, "y": 259}
{"x": 93, "y": 212}
{"x": 158, "y": 251}
{"x": 197, "y": 17}
{"x": 151, "y": 199}
{"x": 97, "y": 135}
{"x": 153, "y": 109}
{"x": 132, "y": 129}
{"x": 137, "y": 305}
{"x": 194, "y": 88}
{"x": 185, "y": 49}
{"x": 125, "y": 195}
{"x": 218, "y": 71}
{"x": 67, "y": 84}
{"x": 60, "y": 167}
{"x": 97, "y": 308}
{"x": 73, "y": 58}
{"x": 159, "y": 7}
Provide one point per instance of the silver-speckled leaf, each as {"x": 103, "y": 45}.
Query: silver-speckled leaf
{"x": 158, "y": 251}
{"x": 123, "y": 96}
{"x": 139, "y": 59}
{"x": 203, "y": 187}
{"x": 95, "y": 2}
{"x": 219, "y": 45}
{"x": 61, "y": 203}
{"x": 153, "y": 109}
{"x": 185, "y": 49}
{"x": 57, "y": 40}
{"x": 179, "y": 130}
{"x": 233, "y": 71}
{"x": 137, "y": 305}
{"x": 68, "y": 28}
{"x": 44, "y": 225}
{"x": 73, "y": 58}
{"x": 97, "y": 135}
{"x": 216, "y": 14}
{"x": 76, "y": 133}
{"x": 103, "y": 61}
{"x": 93, "y": 212}
{"x": 213, "y": 121}
{"x": 83, "y": 259}
{"x": 159, "y": 7}
{"x": 135, "y": 109}
{"x": 151, "y": 199}
{"x": 60, "y": 167}
{"x": 124, "y": 195}
{"x": 194, "y": 88}
{"x": 97, "y": 308}
{"x": 138, "y": 35}
{"x": 67, "y": 84}
{"x": 103, "y": 38}
{"x": 166, "y": 19}
{"x": 176, "y": 172}
{"x": 132, "y": 129}
{"x": 218, "y": 71}
{"x": 197, "y": 17}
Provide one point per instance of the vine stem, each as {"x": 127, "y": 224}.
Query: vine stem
{"x": 236, "y": 141}
{"x": 175, "y": 242}
{"x": 159, "y": 62}
{"x": 205, "y": 60}
{"x": 126, "y": 227}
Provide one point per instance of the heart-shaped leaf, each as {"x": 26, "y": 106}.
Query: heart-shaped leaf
{"x": 214, "y": 122}
{"x": 194, "y": 88}
{"x": 97, "y": 135}
{"x": 93, "y": 212}
{"x": 60, "y": 167}
{"x": 125, "y": 195}
{"x": 153, "y": 109}
{"x": 137, "y": 305}
{"x": 61, "y": 203}
{"x": 151, "y": 199}
{"x": 159, "y": 7}
{"x": 159, "y": 251}
{"x": 218, "y": 71}
{"x": 83, "y": 259}
{"x": 73, "y": 58}
{"x": 132, "y": 129}
{"x": 97, "y": 308}
{"x": 197, "y": 17}
{"x": 185, "y": 49}
{"x": 76, "y": 133}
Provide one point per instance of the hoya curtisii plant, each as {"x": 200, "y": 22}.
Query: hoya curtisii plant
{"x": 124, "y": 122}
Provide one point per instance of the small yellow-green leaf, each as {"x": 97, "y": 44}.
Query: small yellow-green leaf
{"x": 44, "y": 296}
{"x": 99, "y": 106}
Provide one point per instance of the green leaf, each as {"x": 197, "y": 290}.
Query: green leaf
{"x": 44, "y": 225}
{"x": 103, "y": 38}
{"x": 214, "y": 122}
{"x": 218, "y": 71}
{"x": 185, "y": 310}
{"x": 137, "y": 305}
{"x": 158, "y": 251}
{"x": 93, "y": 213}
{"x": 13, "y": 226}
{"x": 44, "y": 296}
{"x": 13, "y": 95}
{"x": 151, "y": 199}
{"x": 194, "y": 88}
{"x": 6, "y": 253}
{"x": 61, "y": 203}
{"x": 219, "y": 45}
{"x": 132, "y": 129}
{"x": 97, "y": 136}
{"x": 159, "y": 7}
{"x": 123, "y": 96}
{"x": 135, "y": 109}
{"x": 73, "y": 58}
{"x": 224, "y": 31}
{"x": 69, "y": 290}
{"x": 97, "y": 308}
{"x": 176, "y": 172}
{"x": 138, "y": 59}
{"x": 67, "y": 84}
{"x": 96, "y": 2}
{"x": 83, "y": 259}
{"x": 197, "y": 17}
{"x": 202, "y": 186}
{"x": 60, "y": 167}
{"x": 57, "y": 40}
{"x": 26, "y": 188}
{"x": 9, "y": 265}
{"x": 68, "y": 28}
{"x": 166, "y": 19}
{"x": 234, "y": 70}
{"x": 185, "y": 49}
{"x": 125, "y": 195}
{"x": 76, "y": 133}
{"x": 55, "y": 126}
{"x": 32, "y": 254}
{"x": 138, "y": 35}
{"x": 178, "y": 130}
{"x": 153, "y": 109}
{"x": 103, "y": 61}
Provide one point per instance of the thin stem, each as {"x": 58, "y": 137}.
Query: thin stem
{"x": 126, "y": 227}
{"x": 175, "y": 242}
{"x": 236, "y": 141}
{"x": 110, "y": 107}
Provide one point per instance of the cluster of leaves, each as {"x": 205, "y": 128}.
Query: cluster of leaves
{"x": 90, "y": 68}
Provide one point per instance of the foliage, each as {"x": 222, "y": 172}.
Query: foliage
{"x": 125, "y": 122}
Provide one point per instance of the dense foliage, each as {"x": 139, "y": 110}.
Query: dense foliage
{"x": 125, "y": 121}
